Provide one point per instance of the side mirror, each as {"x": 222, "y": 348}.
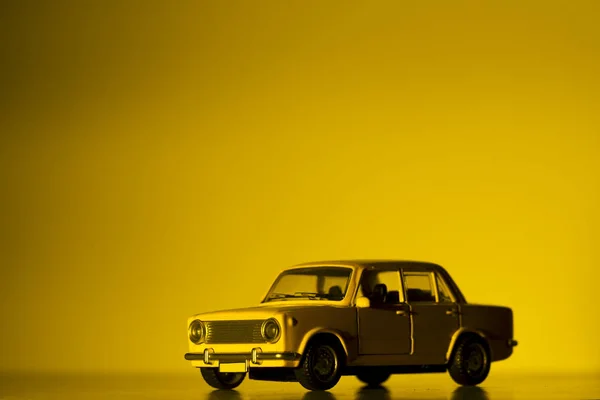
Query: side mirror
{"x": 363, "y": 302}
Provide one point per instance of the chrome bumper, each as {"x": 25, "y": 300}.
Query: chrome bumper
{"x": 256, "y": 356}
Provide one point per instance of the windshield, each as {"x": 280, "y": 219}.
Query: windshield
{"x": 314, "y": 283}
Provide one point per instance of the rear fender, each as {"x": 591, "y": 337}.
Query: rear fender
{"x": 461, "y": 332}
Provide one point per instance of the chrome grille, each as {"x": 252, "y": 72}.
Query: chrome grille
{"x": 234, "y": 332}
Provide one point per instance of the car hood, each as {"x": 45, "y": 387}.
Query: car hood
{"x": 265, "y": 310}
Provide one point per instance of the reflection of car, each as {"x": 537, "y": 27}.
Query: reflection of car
{"x": 370, "y": 319}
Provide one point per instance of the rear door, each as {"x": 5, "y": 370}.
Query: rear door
{"x": 435, "y": 314}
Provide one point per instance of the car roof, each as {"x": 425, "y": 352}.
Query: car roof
{"x": 367, "y": 263}
{"x": 374, "y": 263}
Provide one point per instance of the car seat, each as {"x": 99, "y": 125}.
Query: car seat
{"x": 379, "y": 293}
{"x": 393, "y": 297}
{"x": 335, "y": 293}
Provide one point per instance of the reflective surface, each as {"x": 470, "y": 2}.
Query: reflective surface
{"x": 191, "y": 386}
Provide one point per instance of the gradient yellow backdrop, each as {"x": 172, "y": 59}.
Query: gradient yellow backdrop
{"x": 160, "y": 159}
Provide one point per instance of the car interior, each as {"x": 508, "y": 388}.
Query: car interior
{"x": 335, "y": 293}
{"x": 380, "y": 296}
{"x": 418, "y": 295}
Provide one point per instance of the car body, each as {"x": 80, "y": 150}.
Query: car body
{"x": 368, "y": 318}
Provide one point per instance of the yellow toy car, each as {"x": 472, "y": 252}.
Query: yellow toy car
{"x": 367, "y": 318}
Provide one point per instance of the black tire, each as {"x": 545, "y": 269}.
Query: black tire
{"x": 471, "y": 362}
{"x": 222, "y": 380}
{"x": 373, "y": 378}
{"x": 321, "y": 365}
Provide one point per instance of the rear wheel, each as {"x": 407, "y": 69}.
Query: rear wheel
{"x": 471, "y": 362}
{"x": 373, "y": 378}
{"x": 321, "y": 366}
{"x": 222, "y": 380}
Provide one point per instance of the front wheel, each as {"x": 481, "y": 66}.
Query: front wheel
{"x": 471, "y": 362}
{"x": 321, "y": 367}
{"x": 222, "y": 380}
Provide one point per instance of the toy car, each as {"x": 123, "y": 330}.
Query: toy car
{"x": 371, "y": 319}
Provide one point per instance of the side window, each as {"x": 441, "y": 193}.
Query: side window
{"x": 419, "y": 287}
{"x": 381, "y": 287}
{"x": 443, "y": 291}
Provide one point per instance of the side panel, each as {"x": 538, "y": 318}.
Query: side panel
{"x": 494, "y": 322}
{"x": 385, "y": 331}
{"x": 434, "y": 326}
{"x": 303, "y": 324}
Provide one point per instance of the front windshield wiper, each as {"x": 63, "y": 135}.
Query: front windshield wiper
{"x": 280, "y": 296}
{"x": 302, "y": 295}
{"x": 310, "y": 295}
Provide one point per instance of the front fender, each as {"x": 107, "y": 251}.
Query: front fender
{"x": 323, "y": 330}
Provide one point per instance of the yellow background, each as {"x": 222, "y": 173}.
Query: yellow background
{"x": 160, "y": 159}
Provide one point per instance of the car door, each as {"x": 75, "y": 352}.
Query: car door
{"x": 435, "y": 314}
{"x": 384, "y": 327}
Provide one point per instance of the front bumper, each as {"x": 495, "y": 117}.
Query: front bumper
{"x": 208, "y": 358}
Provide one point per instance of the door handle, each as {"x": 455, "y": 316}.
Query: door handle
{"x": 402, "y": 313}
{"x": 451, "y": 312}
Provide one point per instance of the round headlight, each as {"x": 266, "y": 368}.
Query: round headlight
{"x": 271, "y": 330}
{"x": 196, "y": 331}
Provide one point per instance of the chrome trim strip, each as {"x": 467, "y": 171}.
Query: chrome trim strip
{"x": 256, "y": 356}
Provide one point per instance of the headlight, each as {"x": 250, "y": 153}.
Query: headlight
{"x": 271, "y": 331}
{"x": 196, "y": 331}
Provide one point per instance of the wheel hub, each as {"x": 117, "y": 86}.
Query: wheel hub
{"x": 475, "y": 360}
{"x": 325, "y": 364}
